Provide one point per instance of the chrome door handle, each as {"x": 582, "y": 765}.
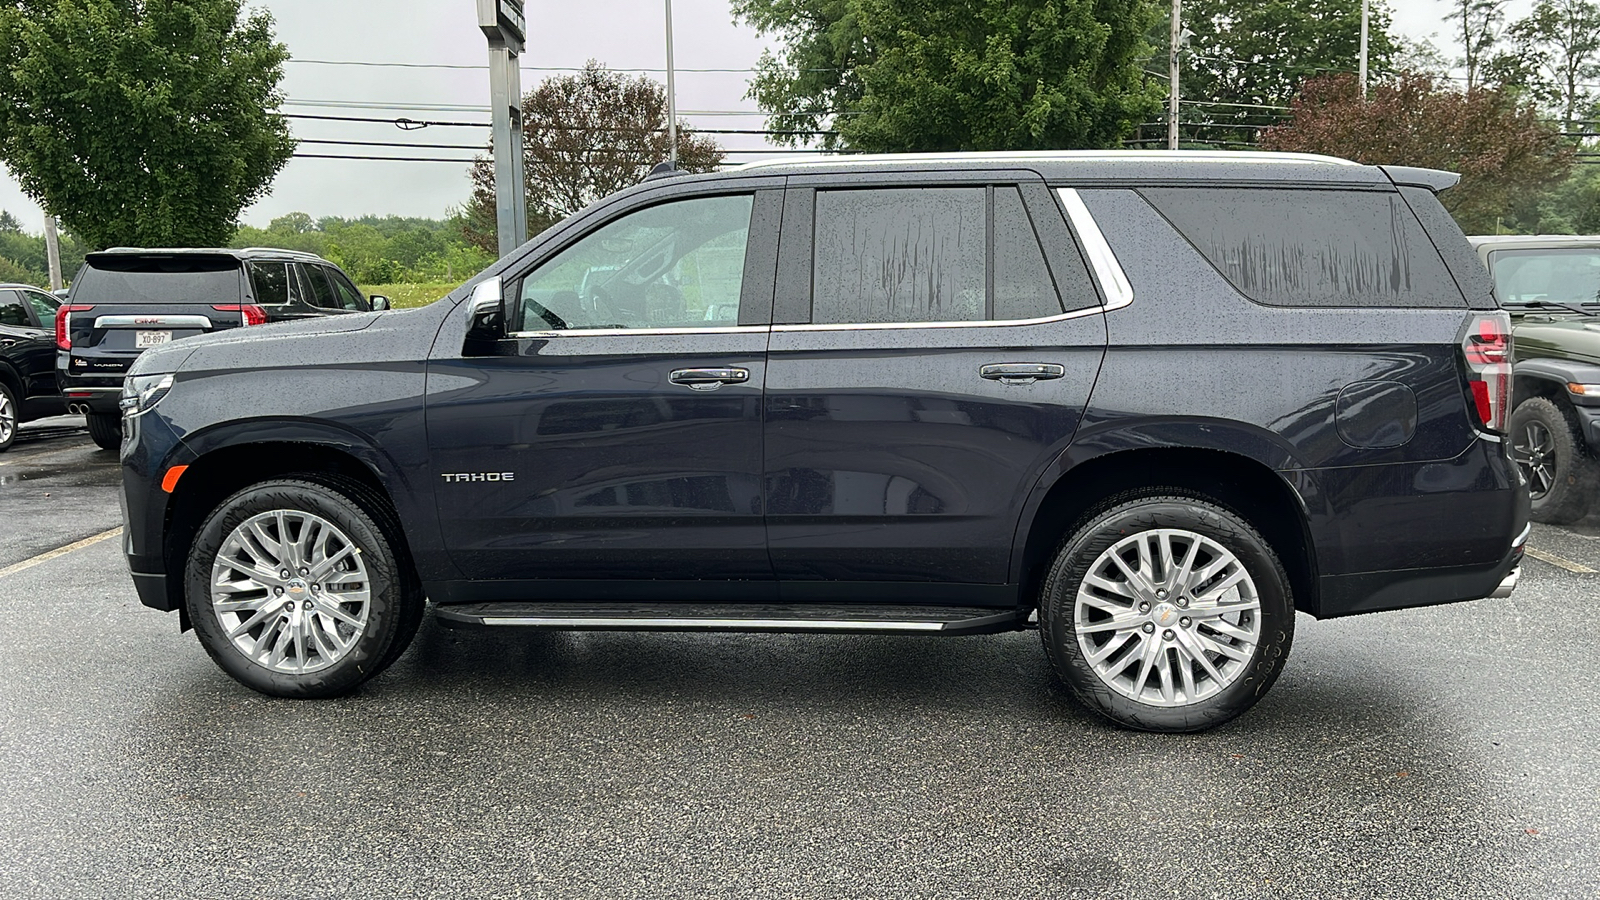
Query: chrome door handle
{"x": 1021, "y": 373}
{"x": 708, "y": 379}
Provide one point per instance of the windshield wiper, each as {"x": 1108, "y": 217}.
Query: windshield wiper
{"x": 1551, "y": 304}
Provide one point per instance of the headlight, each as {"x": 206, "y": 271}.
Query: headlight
{"x": 140, "y": 393}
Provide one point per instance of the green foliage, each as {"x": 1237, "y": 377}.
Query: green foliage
{"x": 374, "y": 249}
{"x": 1248, "y": 55}
{"x": 142, "y": 122}
{"x": 929, "y": 75}
{"x": 584, "y": 136}
{"x": 23, "y": 256}
{"x": 1555, "y": 55}
{"x": 1505, "y": 154}
{"x": 409, "y": 296}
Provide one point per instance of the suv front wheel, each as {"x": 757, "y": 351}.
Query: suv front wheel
{"x": 297, "y": 587}
{"x": 1166, "y": 613}
{"x": 1548, "y": 445}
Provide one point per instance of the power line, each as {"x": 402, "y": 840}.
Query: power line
{"x": 480, "y": 68}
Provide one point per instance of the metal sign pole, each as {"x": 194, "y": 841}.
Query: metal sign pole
{"x": 505, "y": 26}
{"x": 672, "y": 94}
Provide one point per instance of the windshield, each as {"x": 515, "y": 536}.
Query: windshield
{"x": 200, "y": 279}
{"x": 1547, "y": 276}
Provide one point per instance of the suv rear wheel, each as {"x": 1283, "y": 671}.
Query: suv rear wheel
{"x": 106, "y": 430}
{"x": 8, "y": 417}
{"x": 296, "y": 587}
{"x": 1166, "y": 613}
{"x": 1549, "y": 447}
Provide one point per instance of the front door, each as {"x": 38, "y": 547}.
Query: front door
{"x": 615, "y": 436}
{"x": 930, "y": 359}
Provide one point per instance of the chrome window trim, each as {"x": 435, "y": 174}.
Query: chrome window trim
{"x": 977, "y": 323}
{"x": 1102, "y": 260}
{"x": 607, "y": 332}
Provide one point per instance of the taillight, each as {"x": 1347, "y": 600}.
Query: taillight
{"x": 64, "y": 324}
{"x": 253, "y": 314}
{"x": 1486, "y": 346}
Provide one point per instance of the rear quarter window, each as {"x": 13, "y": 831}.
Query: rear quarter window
{"x": 1309, "y": 247}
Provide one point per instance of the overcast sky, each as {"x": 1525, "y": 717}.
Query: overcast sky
{"x": 562, "y": 35}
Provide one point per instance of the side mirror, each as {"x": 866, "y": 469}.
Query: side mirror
{"x": 486, "y": 320}
{"x": 380, "y": 303}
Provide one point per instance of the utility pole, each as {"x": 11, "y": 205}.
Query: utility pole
{"x": 1172, "y": 100}
{"x": 506, "y": 27}
{"x": 672, "y": 93}
{"x": 1364, "y": 4}
{"x": 52, "y": 250}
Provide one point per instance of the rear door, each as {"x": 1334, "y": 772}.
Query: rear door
{"x": 27, "y": 344}
{"x": 615, "y": 437}
{"x": 933, "y": 351}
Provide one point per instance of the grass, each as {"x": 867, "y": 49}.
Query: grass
{"x": 406, "y": 296}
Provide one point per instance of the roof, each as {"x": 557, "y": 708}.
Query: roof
{"x": 1535, "y": 240}
{"x": 1089, "y": 165}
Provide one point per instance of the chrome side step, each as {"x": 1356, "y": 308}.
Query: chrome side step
{"x": 764, "y": 617}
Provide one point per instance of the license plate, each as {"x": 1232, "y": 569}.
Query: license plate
{"x": 151, "y": 338}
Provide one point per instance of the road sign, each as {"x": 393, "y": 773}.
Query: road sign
{"x": 504, "y": 21}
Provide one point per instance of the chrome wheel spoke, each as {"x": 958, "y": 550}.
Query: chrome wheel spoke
{"x": 300, "y": 623}
{"x": 1167, "y": 617}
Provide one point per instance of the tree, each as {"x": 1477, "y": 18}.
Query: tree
{"x": 1479, "y": 22}
{"x": 9, "y": 223}
{"x": 1244, "y": 56}
{"x": 1502, "y": 150}
{"x": 585, "y": 136}
{"x": 1558, "y": 47}
{"x": 928, "y": 75}
{"x": 142, "y": 122}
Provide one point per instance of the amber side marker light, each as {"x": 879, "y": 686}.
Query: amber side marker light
{"x": 169, "y": 482}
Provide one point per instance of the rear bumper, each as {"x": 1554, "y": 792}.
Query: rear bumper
{"x": 96, "y": 399}
{"x": 1349, "y": 595}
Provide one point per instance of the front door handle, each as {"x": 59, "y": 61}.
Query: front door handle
{"x": 1021, "y": 373}
{"x": 708, "y": 379}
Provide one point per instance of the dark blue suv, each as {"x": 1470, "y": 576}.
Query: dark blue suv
{"x": 1147, "y": 403}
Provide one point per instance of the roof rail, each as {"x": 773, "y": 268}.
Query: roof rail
{"x": 298, "y": 253}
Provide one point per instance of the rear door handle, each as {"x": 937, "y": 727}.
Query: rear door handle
{"x": 708, "y": 379}
{"x": 1021, "y": 373}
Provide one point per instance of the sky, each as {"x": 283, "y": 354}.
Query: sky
{"x": 623, "y": 34}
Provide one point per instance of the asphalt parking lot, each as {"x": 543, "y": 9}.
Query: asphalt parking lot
{"x": 1448, "y": 752}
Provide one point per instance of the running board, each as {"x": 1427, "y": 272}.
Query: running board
{"x": 767, "y": 617}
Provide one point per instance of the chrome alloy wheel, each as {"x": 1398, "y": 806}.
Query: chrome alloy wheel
{"x": 8, "y": 417}
{"x": 1168, "y": 617}
{"x": 290, "y": 590}
{"x": 1536, "y": 454}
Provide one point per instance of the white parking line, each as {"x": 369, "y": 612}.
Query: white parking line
{"x": 1551, "y": 558}
{"x": 59, "y": 551}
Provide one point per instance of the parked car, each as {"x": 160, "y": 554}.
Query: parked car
{"x": 28, "y": 388}
{"x": 1148, "y": 403}
{"x": 1550, "y": 284}
{"x": 127, "y": 300}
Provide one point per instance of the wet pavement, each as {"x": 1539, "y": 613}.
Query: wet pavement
{"x": 1447, "y": 752}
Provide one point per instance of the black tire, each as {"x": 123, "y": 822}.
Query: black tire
{"x": 1548, "y": 446}
{"x": 393, "y": 609}
{"x": 1244, "y": 681}
{"x": 106, "y": 430}
{"x": 10, "y": 417}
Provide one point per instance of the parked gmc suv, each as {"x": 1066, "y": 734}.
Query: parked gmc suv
{"x": 1147, "y": 403}
{"x": 127, "y": 300}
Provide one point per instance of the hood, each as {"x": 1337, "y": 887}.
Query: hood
{"x": 1571, "y": 337}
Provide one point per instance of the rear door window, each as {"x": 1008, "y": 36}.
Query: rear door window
{"x": 919, "y": 255}
{"x": 44, "y": 307}
{"x": 1309, "y": 247}
{"x": 12, "y": 312}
